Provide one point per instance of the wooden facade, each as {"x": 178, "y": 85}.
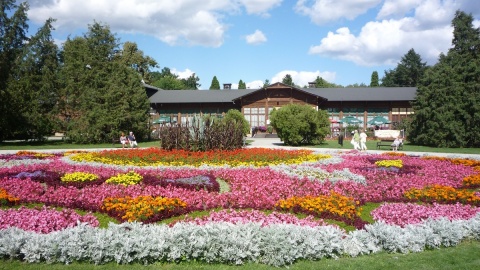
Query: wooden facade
{"x": 256, "y": 104}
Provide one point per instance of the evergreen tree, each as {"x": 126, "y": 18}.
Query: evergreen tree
{"x": 242, "y": 85}
{"x": 374, "y": 79}
{"x": 447, "y": 105}
{"x": 103, "y": 93}
{"x": 266, "y": 83}
{"x": 407, "y": 73}
{"x": 13, "y": 29}
{"x": 215, "y": 84}
{"x": 36, "y": 87}
{"x": 288, "y": 80}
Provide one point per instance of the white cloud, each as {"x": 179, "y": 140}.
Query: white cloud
{"x": 302, "y": 78}
{"x": 324, "y": 11}
{"x": 256, "y": 38}
{"x": 384, "y": 42}
{"x": 182, "y": 74}
{"x": 255, "y": 84}
{"x": 188, "y": 22}
{"x": 397, "y": 9}
{"x": 260, "y": 7}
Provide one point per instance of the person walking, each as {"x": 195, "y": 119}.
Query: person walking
{"x": 363, "y": 140}
{"x": 356, "y": 140}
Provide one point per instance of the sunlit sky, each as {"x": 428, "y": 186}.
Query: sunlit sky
{"x": 342, "y": 41}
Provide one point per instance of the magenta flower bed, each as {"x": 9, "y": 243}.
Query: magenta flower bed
{"x": 251, "y": 188}
{"x": 410, "y": 213}
{"x": 244, "y": 216}
{"x": 43, "y": 220}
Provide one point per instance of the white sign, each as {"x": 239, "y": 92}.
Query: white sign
{"x": 387, "y": 133}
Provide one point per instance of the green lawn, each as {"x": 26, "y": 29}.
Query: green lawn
{"x": 59, "y": 144}
{"x": 371, "y": 145}
{"x": 407, "y": 147}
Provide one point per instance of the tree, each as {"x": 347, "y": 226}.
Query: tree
{"x": 266, "y": 83}
{"x": 36, "y": 87}
{"x": 13, "y": 37}
{"x": 374, "y": 79}
{"x": 103, "y": 94}
{"x": 447, "y": 105}
{"x": 215, "y": 84}
{"x": 322, "y": 83}
{"x": 407, "y": 73}
{"x": 242, "y": 85}
{"x": 191, "y": 83}
{"x": 300, "y": 124}
{"x": 288, "y": 80}
{"x": 133, "y": 57}
{"x": 356, "y": 85}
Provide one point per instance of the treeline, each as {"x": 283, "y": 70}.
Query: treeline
{"x": 91, "y": 88}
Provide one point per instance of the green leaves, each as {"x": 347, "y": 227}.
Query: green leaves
{"x": 300, "y": 124}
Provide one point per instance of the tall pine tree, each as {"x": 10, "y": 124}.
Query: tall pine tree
{"x": 215, "y": 84}
{"x": 36, "y": 86}
{"x": 447, "y": 106}
{"x": 13, "y": 37}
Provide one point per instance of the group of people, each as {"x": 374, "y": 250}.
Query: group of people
{"x": 130, "y": 139}
{"x": 359, "y": 140}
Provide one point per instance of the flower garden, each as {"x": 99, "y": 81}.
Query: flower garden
{"x": 257, "y": 205}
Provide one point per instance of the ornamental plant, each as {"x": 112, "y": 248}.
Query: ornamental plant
{"x": 126, "y": 179}
{"x": 442, "y": 194}
{"x": 257, "y": 157}
{"x": 472, "y": 181}
{"x": 7, "y": 199}
{"x": 79, "y": 177}
{"x": 398, "y": 163}
{"x": 332, "y": 205}
{"x": 143, "y": 208}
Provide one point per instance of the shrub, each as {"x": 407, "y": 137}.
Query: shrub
{"x": 300, "y": 124}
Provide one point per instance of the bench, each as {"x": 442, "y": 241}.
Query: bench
{"x": 388, "y": 142}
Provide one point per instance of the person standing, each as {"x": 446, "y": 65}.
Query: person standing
{"x": 132, "y": 140}
{"x": 340, "y": 139}
{"x": 363, "y": 140}
{"x": 356, "y": 140}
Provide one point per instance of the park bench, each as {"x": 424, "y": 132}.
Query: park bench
{"x": 388, "y": 142}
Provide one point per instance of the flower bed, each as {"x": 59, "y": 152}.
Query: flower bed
{"x": 280, "y": 205}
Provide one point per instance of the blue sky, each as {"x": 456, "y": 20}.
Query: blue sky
{"x": 342, "y": 41}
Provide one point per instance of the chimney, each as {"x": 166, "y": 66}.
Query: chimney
{"x": 227, "y": 86}
{"x": 312, "y": 85}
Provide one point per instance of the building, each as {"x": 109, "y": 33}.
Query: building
{"x": 393, "y": 103}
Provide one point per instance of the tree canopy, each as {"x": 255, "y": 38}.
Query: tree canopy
{"x": 407, "y": 73}
{"x": 242, "y": 85}
{"x": 447, "y": 105}
{"x": 215, "y": 84}
{"x": 374, "y": 79}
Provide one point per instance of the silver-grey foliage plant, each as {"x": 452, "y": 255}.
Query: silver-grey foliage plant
{"x": 277, "y": 245}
